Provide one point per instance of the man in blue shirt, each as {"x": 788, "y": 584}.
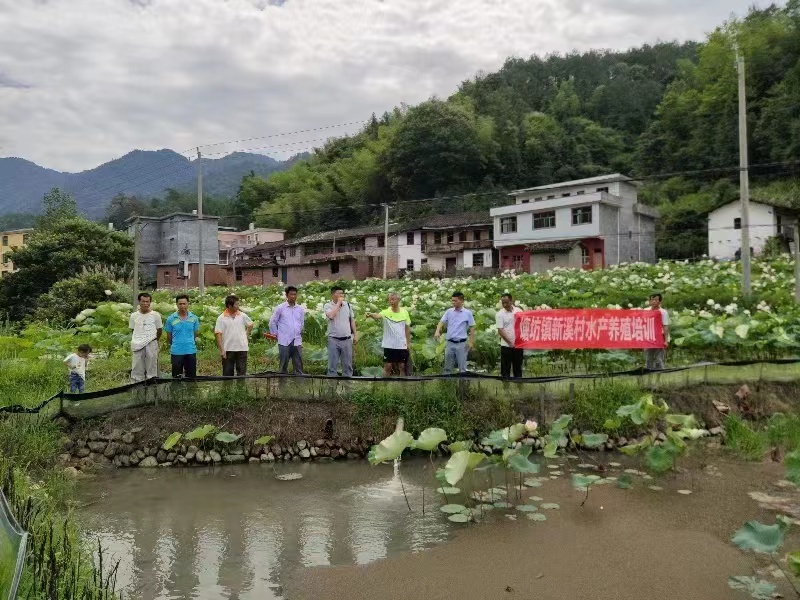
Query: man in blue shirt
{"x": 182, "y": 328}
{"x": 457, "y": 320}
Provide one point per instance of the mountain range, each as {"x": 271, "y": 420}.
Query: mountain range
{"x": 143, "y": 173}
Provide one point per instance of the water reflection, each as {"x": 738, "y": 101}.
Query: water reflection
{"x": 236, "y": 532}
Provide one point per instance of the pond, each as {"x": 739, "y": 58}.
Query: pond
{"x": 344, "y": 531}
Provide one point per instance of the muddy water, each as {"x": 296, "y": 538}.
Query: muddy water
{"x": 344, "y": 532}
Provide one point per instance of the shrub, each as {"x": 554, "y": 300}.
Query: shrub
{"x": 70, "y": 296}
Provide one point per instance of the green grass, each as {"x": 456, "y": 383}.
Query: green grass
{"x": 594, "y": 404}
{"x": 743, "y": 439}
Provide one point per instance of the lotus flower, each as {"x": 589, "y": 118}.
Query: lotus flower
{"x": 530, "y": 426}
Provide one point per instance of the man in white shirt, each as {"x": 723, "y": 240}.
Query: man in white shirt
{"x": 146, "y": 326}
{"x": 655, "y": 359}
{"x": 232, "y": 330}
{"x": 510, "y": 357}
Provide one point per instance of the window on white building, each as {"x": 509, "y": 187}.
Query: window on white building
{"x": 544, "y": 220}
{"x": 478, "y": 234}
{"x": 410, "y": 238}
{"x": 517, "y": 262}
{"x": 551, "y": 258}
{"x": 566, "y": 195}
{"x": 424, "y": 262}
{"x": 477, "y": 260}
{"x": 582, "y": 215}
{"x": 580, "y": 193}
{"x": 410, "y": 264}
{"x": 585, "y": 256}
{"x": 293, "y": 251}
{"x": 508, "y": 225}
{"x": 551, "y": 197}
{"x": 450, "y": 237}
{"x": 437, "y": 237}
{"x": 737, "y": 223}
{"x": 462, "y": 236}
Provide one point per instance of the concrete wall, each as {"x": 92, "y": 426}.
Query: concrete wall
{"x": 611, "y": 226}
{"x": 539, "y": 263}
{"x": 167, "y": 277}
{"x": 564, "y": 228}
{"x": 487, "y": 257}
{"x": 406, "y": 251}
{"x": 14, "y": 240}
{"x": 724, "y": 240}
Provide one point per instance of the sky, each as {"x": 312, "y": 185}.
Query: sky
{"x": 83, "y": 82}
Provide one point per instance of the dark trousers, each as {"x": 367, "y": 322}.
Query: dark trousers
{"x": 183, "y": 365}
{"x": 293, "y": 353}
{"x": 510, "y": 358}
{"x": 234, "y": 359}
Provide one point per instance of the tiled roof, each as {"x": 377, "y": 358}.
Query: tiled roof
{"x": 552, "y": 246}
{"x": 610, "y": 178}
{"x": 467, "y": 219}
{"x": 324, "y": 236}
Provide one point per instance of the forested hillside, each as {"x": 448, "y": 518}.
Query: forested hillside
{"x": 666, "y": 114}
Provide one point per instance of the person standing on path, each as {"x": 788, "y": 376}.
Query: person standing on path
{"x": 655, "y": 359}
{"x": 341, "y": 333}
{"x": 146, "y": 326}
{"x": 457, "y": 320}
{"x": 76, "y": 363}
{"x": 287, "y": 324}
{"x": 396, "y": 341}
{"x": 182, "y": 328}
{"x": 232, "y": 331}
{"x": 510, "y": 357}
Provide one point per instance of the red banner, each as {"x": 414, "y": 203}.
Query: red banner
{"x": 588, "y": 328}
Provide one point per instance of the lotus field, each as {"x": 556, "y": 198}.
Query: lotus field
{"x": 710, "y": 319}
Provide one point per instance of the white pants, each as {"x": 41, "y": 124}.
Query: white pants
{"x": 145, "y": 362}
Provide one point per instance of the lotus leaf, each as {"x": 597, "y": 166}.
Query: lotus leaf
{"x": 264, "y": 440}
{"x": 503, "y": 505}
{"x": 452, "y": 508}
{"x": 520, "y": 464}
{"x": 792, "y": 462}
{"x": 682, "y": 421}
{"x": 761, "y": 538}
{"x": 549, "y": 506}
{"x": 460, "y": 463}
{"x": 226, "y": 437}
{"x": 527, "y": 508}
{"x": 448, "y": 491}
{"x": 390, "y": 448}
{"x": 659, "y": 458}
{"x": 429, "y": 439}
{"x": 533, "y": 482}
{"x": 757, "y": 588}
{"x": 459, "y": 446}
{"x": 289, "y": 477}
{"x": 173, "y": 439}
{"x": 458, "y": 518}
{"x": 537, "y": 516}
{"x": 594, "y": 440}
{"x": 793, "y": 561}
{"x": 201, "y": 433}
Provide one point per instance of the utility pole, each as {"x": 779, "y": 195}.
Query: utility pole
{"x": 744, "y": 179}
{"x": 796, "y": 253}
{"x": 385, "y": 239}
{"x": 201, "y": 266}
{"x": 136, "y": 244}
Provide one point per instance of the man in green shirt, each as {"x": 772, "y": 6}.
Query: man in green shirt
{"x": 396, "y": 337}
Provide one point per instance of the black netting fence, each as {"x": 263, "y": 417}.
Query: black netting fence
{"x": 13, "y": 542}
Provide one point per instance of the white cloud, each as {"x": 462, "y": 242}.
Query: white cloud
{"x": 85, "y": 81}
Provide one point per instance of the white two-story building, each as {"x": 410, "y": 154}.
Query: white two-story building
{"x": 588, "y": 223}
{"x": 767, "y": 219}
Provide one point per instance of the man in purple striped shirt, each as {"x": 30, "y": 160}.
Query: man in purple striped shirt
{"x": 287, "y": 323}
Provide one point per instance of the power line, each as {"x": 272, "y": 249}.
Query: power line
{"x": 264, "y": 137}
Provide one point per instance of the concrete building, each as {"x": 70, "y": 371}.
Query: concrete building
{"x": 586, "y": 223}
{"x": 447, "y": 243}
{"x": 167, "y": 242}
{"x": 10, "y": 241}
{"x": 767, "y": 219}
{"x": 232, "y": 242}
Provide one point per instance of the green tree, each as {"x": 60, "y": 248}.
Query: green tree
{"x": 58, "y": 206}
{"x": 62, "y": 250}
{"x": 123, "y": 207}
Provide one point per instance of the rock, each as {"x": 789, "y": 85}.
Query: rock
{"x": 82, "y": 452}
{"x": 126, "y": 449}
{"x": 236, "y": 450}
{"x": 325, "y": 459}
{"x": 296, "y": 458}
{"x": 115, "y": 435}
{"x": 136, "y": 429}
{"x": 182, "y": 449}
{"x": 313, "y": 451}
{"x": 127, "y": 438}
{"x": 253, "y": 459}
{"x": 302, "y": 444}
{"x": 94, "y": 435}
{"x": 66, "y": 443}
{"x": 716, "y": 431}
{"x": 319, "y": 443}
{"x": 161, "y": 456}
{"x": 661, "y": 437}
{"x": 341, "y": 452}
{"x": 80, "y": 444}
{"x": 134, "y": 459}
{"x": 191, "y": 451}
{"x": 116, "y": 462}
{"x": 140, "y": 454}
{"x": 100, "y": 460}
{"x": 268, "y": 457}
{"x": 181, "y": 460}
{"x": 111, "y": 450}
{"x": 276, "y": 449}
{"x": 529, "y": 441}
{"x": 562, "y": 443}
{"x": 64, "y": 458}
{"x": 124, "y": 460}
{"x": 199, "y": 456}
{"x": 233, "y": 458}
{"x": 215, "y": 456}
{"x": 171, "y": 456}
{"x": 148, "y": 462}
{"x": 166, "y": 464}
{"x": 353, "y": 456}
{"x": 255, "y": 451}
{"x": 97, "y": 446}
{"x": 325, "y": 451}
{"x": 72, "y": 472}
{"x": 622, "y": 442}
{"x": 305, "y": 453}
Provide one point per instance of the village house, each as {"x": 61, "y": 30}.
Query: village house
{"x": 11, "y": 240}
{"x": 767, "y": 219}
{"x": 232, "y": 242}
{"x": 586, "y": 223}
{"x": 446, "y": 244}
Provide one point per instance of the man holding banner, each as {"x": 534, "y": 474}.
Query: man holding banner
{"x": 655, "y": 358}
{"x": 510, "y": 357}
